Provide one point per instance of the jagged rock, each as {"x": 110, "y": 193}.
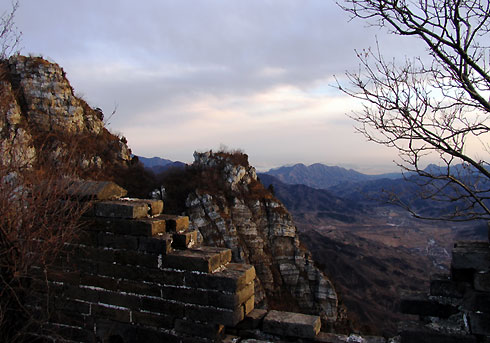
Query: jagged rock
{"x": 39, "y": 104}
{"x": 260, "y": 231}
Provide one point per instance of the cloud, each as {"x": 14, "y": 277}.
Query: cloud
{"x": 189, "y": 75}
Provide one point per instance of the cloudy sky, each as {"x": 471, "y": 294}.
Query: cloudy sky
{"x": 189, "y": 75}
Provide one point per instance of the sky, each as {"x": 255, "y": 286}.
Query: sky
{"x": 186, "y": 75}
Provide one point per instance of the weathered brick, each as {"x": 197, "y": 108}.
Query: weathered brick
{"x": 95, "y": 190}
{"x": 249, "y": 305}
{"x": 471, "y": 255}
{"x": 64, "y": 276}
{"x": 193, "y": 259}
{"x": 76, "y": 306}
{"x": 80, "y": 293}
{"x": 119, "y": 271}
{"x": 105, "y": 282}
{"x": 420, "y": 304}
{"x": 482, "y": 281}
{"x": 121, "y": 209}
{"x": 214, "y": 315}
{"x": 175, "y": 223}
{"x": 291, "y": 324}
{"x": 159, "y": 244}
{"x": 115, "y": 241}
{"x": 156, "y": 206}
{"x": 191, "y": 328}
{"x": 231, "y": 279}
{"x": 445, "y": 287}
{"x": 253, "y": 319}
{"x": 150, "y": 289}
{"x": 117, "y": 314}
{"x": 477, "y": 301}
{"x": 87, "y": 238}
{"x": 162, "y": 306}
{"x": 480, "y": 323}
{"x": 185, "y": 295}
{"x": 119, "y": 299}
{"x": 231, "y": 300}
{"x": 152, "y": 319}
{"x": 184, "y": 240}
{"x": 136, "y": 258}
{"x": 133, "y": 227}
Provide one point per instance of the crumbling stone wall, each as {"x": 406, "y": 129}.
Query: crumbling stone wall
{"x": 457, "y": 308}
{"x": 137, "y": 275}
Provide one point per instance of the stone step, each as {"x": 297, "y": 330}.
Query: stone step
{"x": 185, "y": 240}
{"x": 122, "y": 209}
{"x": 174, "y": 223}
{"x": 94, "y": 190}
{"x": 134, "y": 227}
{"x": 291, "y": 324}
{"x": 421, "y": 304}
{"x": 203, "y": 259}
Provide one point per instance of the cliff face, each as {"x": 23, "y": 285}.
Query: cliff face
{"x": 240, "y": 214}
{"x": 44, "y": 120}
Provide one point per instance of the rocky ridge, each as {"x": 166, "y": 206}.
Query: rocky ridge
{"x": 44, "y": 120}
{"x": 241, "y": 215}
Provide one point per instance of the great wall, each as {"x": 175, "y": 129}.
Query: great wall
{"x": 136, "y": 274}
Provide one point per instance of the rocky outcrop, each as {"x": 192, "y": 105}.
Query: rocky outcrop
{"x": 235, "y": 211}
{"x": 41, "y": 112}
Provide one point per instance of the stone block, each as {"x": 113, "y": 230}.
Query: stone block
{"x": 121, "y": 209}
{"x": 420, "y": 304}
{"x": 114, "y": 241}
{"x": 119, "y": 299}
{"x": 163, "y": 306}
{"x": 175, "y": 223}
{"x": 214, "y": 332}
{"x": 232, "y": 278}
{"x": 291, "y": 324}
{"x": 95, "y": 190}
{"x": 104, "y": 282}
{"x": 193, "y": 260}
{"x": 136, "y": 287}
{"x": 471, "y": 255}
{"x": 445, "y": 287}
{"x": 253, "y": 319}
{"x": 158, "y": 321}
{"x": 136, "y": 227}
{"x": 113, "y": 313}
{"x": 231, "y": 300}
{"x": 214, "y": 315}
{"x": 480, "y": 323}
{"x": 136, "y": 258}
{"x": 477, "y": 301}
{"x": 159, "y": 244}
{"x": 249, "y": 305}
{"x": 156, "y": 206}
{"x": 482, "y": 281}
{"x": 184, "y": 240}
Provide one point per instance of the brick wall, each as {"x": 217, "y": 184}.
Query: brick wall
{"x": 137, "y": 275}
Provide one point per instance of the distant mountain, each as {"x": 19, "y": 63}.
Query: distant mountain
{"x": 322, "y": 176}
{"x": 307, "y": 201}
{"x": 158, "y": 165}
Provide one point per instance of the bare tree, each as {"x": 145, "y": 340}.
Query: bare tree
{"x": 9, "y": 33}
{"x": 433, "y": 107}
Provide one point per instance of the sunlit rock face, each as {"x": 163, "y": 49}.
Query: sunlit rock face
{"x": 39, "y": 109}
{"x": 240, "y": 214}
